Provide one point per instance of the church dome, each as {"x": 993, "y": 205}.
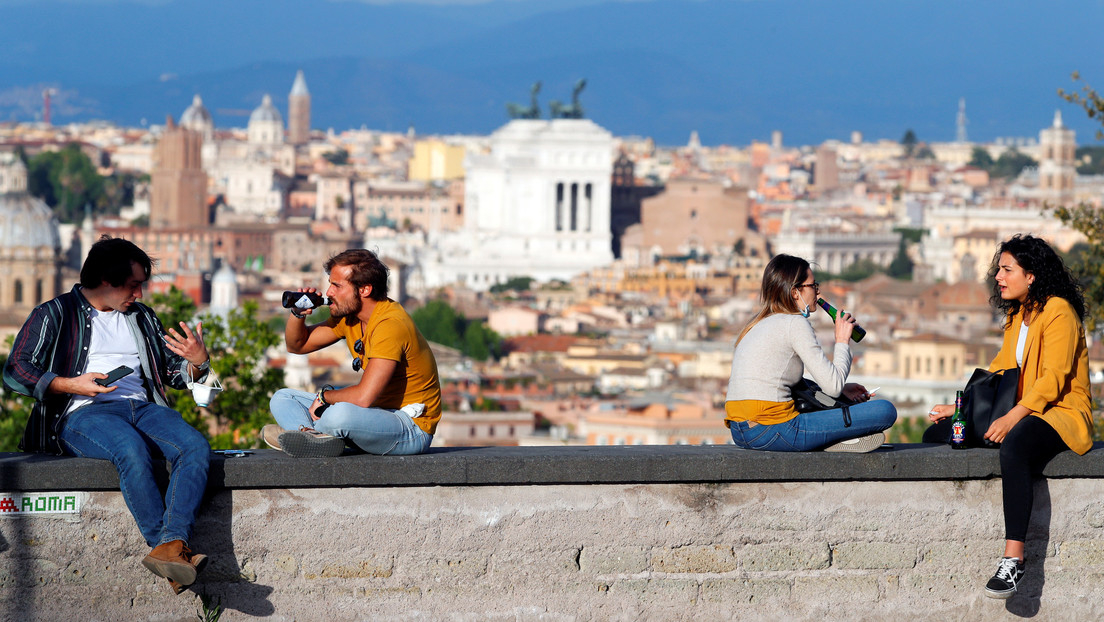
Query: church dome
{"x": 198, "y": 119}
{"x": 196, "y": 114}
{"x": 266, "y": 112}
{"x": 25, "y": 222}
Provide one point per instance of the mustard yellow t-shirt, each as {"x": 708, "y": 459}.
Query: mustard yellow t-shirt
{"x": 391, "y": 335}
{"x": 759, "y": 411}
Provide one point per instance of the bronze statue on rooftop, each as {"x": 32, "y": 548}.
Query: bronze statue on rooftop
{"x": 517, "y": 111}
{"x": 573, "y": 111}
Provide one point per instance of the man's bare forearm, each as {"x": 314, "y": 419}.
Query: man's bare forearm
{"x": 295, "y": 334}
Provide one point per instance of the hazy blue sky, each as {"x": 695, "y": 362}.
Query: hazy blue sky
{"x": 733, "y": 70}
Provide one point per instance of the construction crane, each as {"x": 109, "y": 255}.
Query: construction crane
{"x": 46, "y": 94}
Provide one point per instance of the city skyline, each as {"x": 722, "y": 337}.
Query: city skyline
{"x": 732, "y": 71}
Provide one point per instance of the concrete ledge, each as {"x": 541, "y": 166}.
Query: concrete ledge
{"x": 497, "y": 466}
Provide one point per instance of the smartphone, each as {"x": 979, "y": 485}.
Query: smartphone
{"x": 114, "y": 375}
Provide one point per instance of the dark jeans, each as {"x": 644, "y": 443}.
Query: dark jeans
{"x": 131, "y": 434}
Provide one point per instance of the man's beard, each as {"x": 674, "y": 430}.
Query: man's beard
{"x": 353, "y": 310}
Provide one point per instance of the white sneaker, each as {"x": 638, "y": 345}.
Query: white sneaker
{"x": 861, "y": 445}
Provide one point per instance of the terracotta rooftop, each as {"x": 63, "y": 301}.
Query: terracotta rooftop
{"x": 540, "y": 343}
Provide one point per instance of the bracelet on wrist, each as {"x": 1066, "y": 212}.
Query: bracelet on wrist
{"x": 322, "y": 394}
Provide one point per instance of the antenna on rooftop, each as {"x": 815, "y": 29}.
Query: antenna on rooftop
{"x": 960, "y": 121}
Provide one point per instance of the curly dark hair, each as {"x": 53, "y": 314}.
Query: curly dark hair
{"x": 1052, "y": 277}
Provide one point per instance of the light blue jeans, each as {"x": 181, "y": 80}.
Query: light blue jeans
{"x": 380, "y": 431}
{"x": 131, "y": 433}
{"x": 810, "y": 431}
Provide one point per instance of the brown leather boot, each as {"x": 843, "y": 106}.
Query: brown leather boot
{"x": 172, "y": 561}
{"x": 176, "y": 587}
{"x": 199, "y": 560}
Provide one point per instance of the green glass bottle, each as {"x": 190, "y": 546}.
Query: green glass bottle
{"x": 857, "y": 333}
{"x": 958, "y": 424}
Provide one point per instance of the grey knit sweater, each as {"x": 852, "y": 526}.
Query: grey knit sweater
{"x": 775, "y": 354}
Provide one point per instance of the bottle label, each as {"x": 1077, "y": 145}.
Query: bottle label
{"x": 304, "y": 303}
{"x": 958, "y": 432}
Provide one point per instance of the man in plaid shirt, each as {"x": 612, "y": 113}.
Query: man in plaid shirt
{"x": 71, "y": 342}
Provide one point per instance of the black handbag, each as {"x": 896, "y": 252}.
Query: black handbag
{"x": 809, "y": 397}
{"x": 988, "y": 396}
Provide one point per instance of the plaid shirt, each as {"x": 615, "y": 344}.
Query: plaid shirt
{"x": 54, "y": 342}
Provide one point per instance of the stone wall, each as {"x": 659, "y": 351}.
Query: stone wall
{"x": 868, "y": 546}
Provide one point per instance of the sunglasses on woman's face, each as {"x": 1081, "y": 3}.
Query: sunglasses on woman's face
{"x": 814, "y": 285}
{"x": 358, "y": 347}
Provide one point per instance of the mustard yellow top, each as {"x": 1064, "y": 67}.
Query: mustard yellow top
{"x": 1054, "y": 378}
{"x": 391, "y": 335}
{"x": 759, "y": 411}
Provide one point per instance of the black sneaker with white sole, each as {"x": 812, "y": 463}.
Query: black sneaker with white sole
{"x": 1004, "y": 583}
{"x": 310, "y": 443}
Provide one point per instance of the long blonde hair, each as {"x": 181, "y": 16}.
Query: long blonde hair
{"x": 782, "y": 274}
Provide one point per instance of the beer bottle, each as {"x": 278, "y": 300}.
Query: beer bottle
{"x": 857, "y": 333}
{"x": 301, "y": 301}
{"x": 958, "y": 424}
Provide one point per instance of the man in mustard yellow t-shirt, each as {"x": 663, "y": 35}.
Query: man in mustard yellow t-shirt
{"x": 395, "y": 407}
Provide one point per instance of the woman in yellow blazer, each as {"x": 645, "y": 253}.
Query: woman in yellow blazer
{"x": 1045, "y": 338}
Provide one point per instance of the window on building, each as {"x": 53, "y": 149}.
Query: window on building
{"x": 17, "y": 297}
{"x": 587, "y": 195}
{"x": 559, "y": 206}
{"x": 574, "y": 207}
{"x": 471, "y": 431}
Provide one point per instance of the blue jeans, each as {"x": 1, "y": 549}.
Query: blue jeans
{"x": 380, "y": 431}
{"x": 809, "y": 431}
{"x": 131, "y": 433}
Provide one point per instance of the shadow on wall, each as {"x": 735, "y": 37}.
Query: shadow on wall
{"x": 1028, "y": 598}
{"x": 18, "y": 573}
{"x": 224, "y": 582}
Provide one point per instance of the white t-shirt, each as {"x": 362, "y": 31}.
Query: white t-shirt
{"x": 1020, "y": 345}
{"x": 112, "y": 345}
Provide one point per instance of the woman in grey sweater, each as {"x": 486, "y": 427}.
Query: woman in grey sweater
{"x": 773, "y": 352}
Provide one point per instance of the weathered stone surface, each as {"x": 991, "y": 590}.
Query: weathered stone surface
{"x": 605, "y": 560}
{"x": 669, "y": 591}
{"x": 1080, "y": 553}
{"x": 745, "y": 590}
{"x": 873, "y": 555}
{"x": 760, "y": 557}
{"x": 458, "y": 466}
{"x": 694, "y": 559}
{"x": 833, "y": 588}
{"x": 596, "y": 551}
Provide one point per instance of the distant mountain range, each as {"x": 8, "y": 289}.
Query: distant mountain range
{"x": 734, "y": 70}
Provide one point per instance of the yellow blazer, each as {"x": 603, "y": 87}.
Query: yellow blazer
{"x": 1054, "y": 378}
